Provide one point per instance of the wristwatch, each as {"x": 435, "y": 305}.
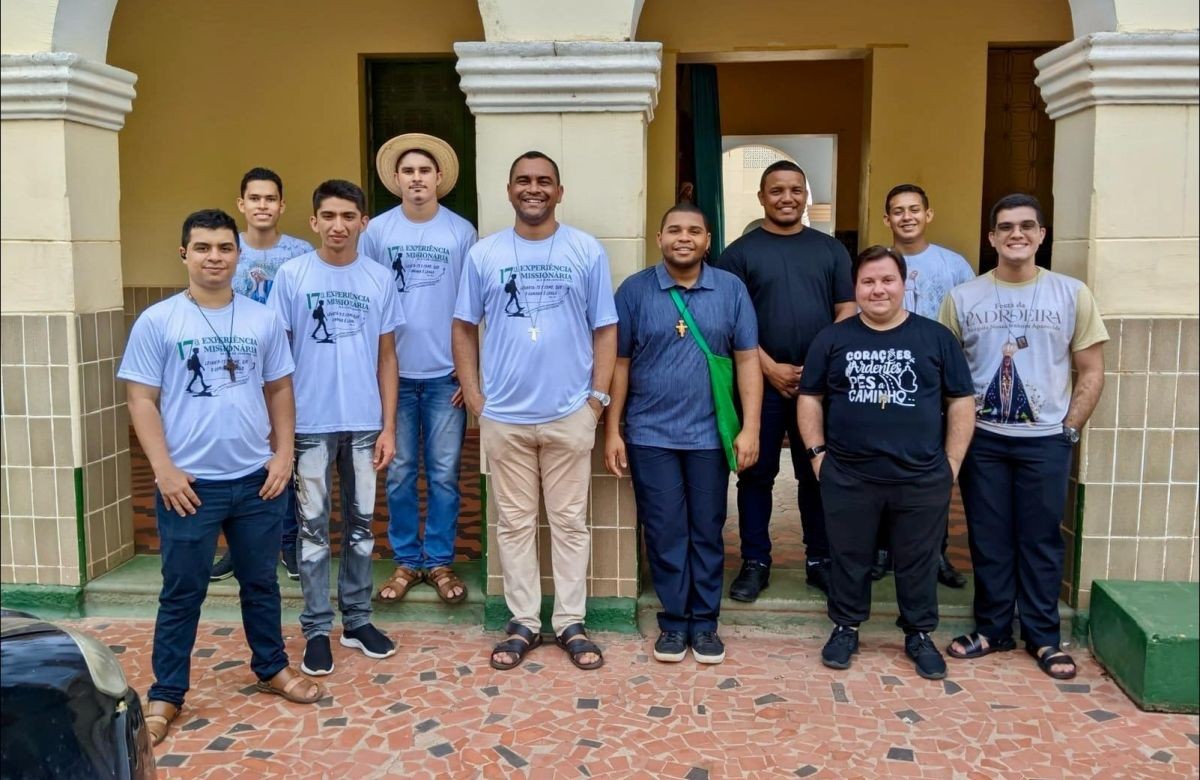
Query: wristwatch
{"x": 604, "y": 398}
{"x": 813, "y": 452}
{"x": 1072, "y": 434}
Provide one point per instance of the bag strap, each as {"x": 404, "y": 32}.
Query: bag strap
{"x": 691, "y": 324}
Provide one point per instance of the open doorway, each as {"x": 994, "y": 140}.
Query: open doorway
{"x": 743, "y": 161}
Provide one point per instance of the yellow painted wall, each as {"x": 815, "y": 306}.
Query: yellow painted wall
{"x": 925, "y": 107}
{"x": 225, "y": 85}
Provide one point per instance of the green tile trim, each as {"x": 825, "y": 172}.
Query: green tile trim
{"x": 1080, "y": 490}
{"x": 81, "y": 526}
{"x": 45, "y": 601}
{"x": 604, "y": 613}
{"x": 483, "y": 536}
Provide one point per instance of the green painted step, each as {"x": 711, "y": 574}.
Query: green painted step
{"x": 1147, "y": 634}
{"x": 131, "y": 590}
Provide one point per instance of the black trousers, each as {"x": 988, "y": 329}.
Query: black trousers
{"x": 754, "y": 498}
{"x": 915, "y": 513}
{"x": 1015, "y": 492}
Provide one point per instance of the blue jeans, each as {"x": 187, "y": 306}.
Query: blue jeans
{"x": 251, "y": 525}
{"x": 291, "y": 527}
{"x": 680, "y": 497}
{"x": 352, "y": 453}
{"x": 424, "y": 416}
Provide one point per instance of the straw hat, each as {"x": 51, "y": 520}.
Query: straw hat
{"x": 389, "y": 156}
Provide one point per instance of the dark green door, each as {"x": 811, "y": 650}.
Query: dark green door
{"x": 420, "y": 96}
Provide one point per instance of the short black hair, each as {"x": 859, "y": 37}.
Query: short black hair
{"x": 339, "y": 188}
{"x": 1016, "y": 201}
{"x": 420, "y": 151}
{"x": 209, "y": 219}
{"x": 900, "y": 189}
{"x": 877, "y": 252}
{"x": 533, "y": 154}
{"x": 261, "y": 174}
{"x": 776, "y": 167}
{"x": 685, "y": 207}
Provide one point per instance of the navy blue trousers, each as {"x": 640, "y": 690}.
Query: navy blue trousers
{"x": 681, "y": 496}
{"x": 252, "y": 527}
{"x": 1015, "y": 492}
{"x": 754, "y": 499}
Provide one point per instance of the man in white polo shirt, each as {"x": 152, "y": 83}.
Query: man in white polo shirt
{"x": 547, "y": 367}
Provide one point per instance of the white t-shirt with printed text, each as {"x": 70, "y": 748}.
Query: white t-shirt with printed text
{"x": 542, "y": 300}
{"x": 335, "y": 315}
{"x": 426, "y": 260}
{"x": 216, "y": 425}
{"x": 1018, "y": 339}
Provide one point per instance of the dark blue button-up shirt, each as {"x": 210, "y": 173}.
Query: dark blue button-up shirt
{"x": 670, "y": 402}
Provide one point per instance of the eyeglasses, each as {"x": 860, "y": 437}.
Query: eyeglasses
{"x": 1005, "y": 228}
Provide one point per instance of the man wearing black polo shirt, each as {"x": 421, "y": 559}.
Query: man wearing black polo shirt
{"x": 799, "y": 282}
{"x": 887, "y": 408}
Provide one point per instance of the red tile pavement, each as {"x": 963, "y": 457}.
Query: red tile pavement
{"x": 771, "y": 710}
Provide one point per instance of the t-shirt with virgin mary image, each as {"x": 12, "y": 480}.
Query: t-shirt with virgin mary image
{"x": 336, "y": 315}
{"x": 215, "y": 421}
{"x": 426, "y": 260}
{"x": 1018, "y": 339}
{"x": 541, "y": 301}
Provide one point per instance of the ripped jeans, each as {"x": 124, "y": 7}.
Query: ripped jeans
{"x": 316, "y": 455}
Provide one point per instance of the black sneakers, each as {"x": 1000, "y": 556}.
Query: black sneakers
{"x": 290, "y": 564}
{"x": 671, "y": 647}
{"x": 318, "y": 658}
{"x": 370, "y": 640}
{"x": 920, "y": 648}
{"x": 842, "y": 644}
{"x": 222, "y": 569}
{"x": 707, "y": 647}
{"x": 751, "y": 580}
{"x": 817, "y": 574}
{"x": 948, "y": 575}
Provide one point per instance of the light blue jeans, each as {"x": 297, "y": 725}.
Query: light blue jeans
{"x": 424, "y": 416}
{"x": 316, "y": 455}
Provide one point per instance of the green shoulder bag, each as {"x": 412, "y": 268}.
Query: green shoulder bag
{"x": 720, "y": 375}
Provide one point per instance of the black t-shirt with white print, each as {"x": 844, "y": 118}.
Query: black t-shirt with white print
{"x": 884, "y": 395}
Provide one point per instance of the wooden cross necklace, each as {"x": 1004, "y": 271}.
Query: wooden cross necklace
{"x": 230, "y": 364}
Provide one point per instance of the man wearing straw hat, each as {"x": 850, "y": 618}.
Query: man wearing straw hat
{"x": 423, "y": 244}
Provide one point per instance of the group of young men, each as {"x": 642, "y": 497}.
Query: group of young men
{"x": 280, "y": 363}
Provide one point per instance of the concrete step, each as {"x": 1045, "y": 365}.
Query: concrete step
{"x": 131, "y": 590}
{"x": 790, "y": 605}
{"x": 1147, "y": 634}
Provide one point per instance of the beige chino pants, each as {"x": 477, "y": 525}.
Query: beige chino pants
{"x": 552, "y": 460}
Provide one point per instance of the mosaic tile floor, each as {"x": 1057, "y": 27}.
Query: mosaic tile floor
{"x": 771, "y": 710}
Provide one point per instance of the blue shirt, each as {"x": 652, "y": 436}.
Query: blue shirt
{"x": 670, "y": 402}
{"x": 542, "y": 300}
